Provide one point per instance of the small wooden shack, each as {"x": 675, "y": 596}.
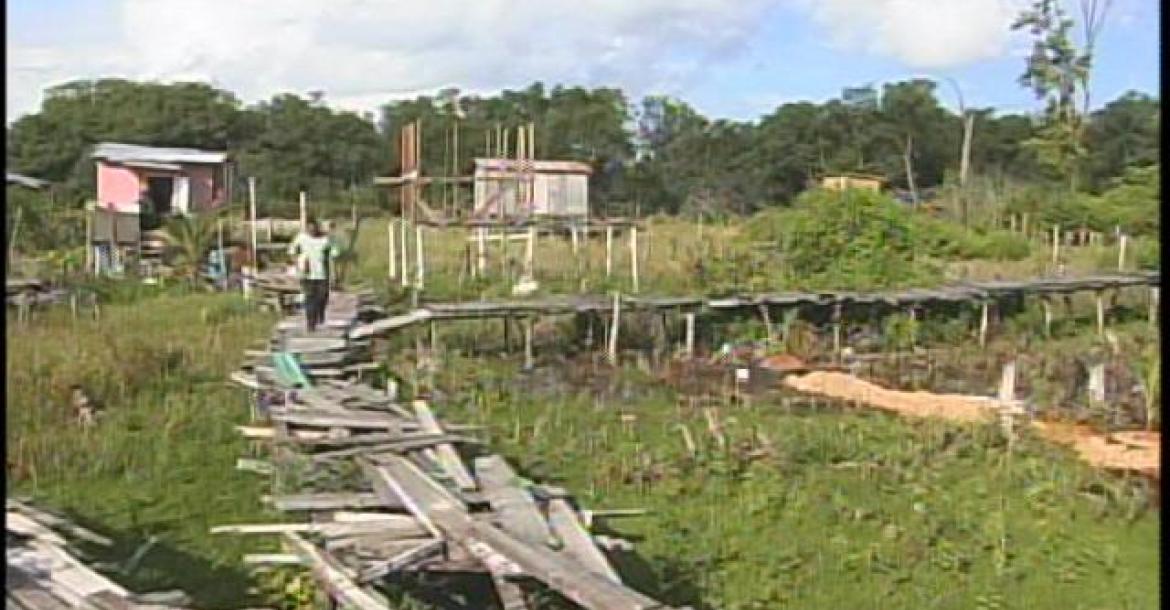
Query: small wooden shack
{"x": 172, "y": 180}
{"x": 841, "y": 182}
{"x": 558, "y": 188}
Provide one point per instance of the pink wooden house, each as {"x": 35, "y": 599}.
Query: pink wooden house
{"x": 176, "y": 181}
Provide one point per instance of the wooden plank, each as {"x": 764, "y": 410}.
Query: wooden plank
{"x": 558, "y": 571}
{"x": 282, "y": 559}
{"x": 401, "y": 525}
{"x": 515, "y": 510}
{"x": 349, "y": 419}
{"x": 397, "y": 446}
{"x": 446, "y": 454}
{"x": 402, "y": 560}
{"x": 328, "y": 501}
{"x": 578, "y": 543}
{"x": 336, "y": 579}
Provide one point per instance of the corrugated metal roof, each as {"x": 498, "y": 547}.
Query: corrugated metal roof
{"x": 512, "y": 165}
{"x": 26, "y": 181}
{"x": 122, "y": 153}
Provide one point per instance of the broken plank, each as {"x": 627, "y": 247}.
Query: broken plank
{"x": 577, "y": 542}
{"x": 515, "y": 510}
{"x": 336, "y": 579}
{"x": 273, "y": 559}
{"x": 350, "y": 419}
{"x": 327, "y": 501}
{"x": 401, "y": 561}
{"x": 446, "y": 454}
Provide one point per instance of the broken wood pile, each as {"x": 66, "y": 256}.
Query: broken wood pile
{"x": 31, "y": 293}
{"x": 389, "y": 490}
{"x": 44, "y": 572}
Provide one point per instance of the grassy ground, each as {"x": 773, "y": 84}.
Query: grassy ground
{"x": 825, "y": 508}
{"x": 162, "y": 461}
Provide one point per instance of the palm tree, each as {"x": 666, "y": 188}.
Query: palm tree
{"x": 191, "y": 236}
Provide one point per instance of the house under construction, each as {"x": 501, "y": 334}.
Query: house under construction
{"x": 557, "y": 188}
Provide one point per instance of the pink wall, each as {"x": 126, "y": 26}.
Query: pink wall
{"x": 117, "y": 187}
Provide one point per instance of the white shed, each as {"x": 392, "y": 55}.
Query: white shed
{"x": 559, "y": 188}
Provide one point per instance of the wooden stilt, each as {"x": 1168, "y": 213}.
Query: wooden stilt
{"x": 403, "y": 261}
{"x": 1100, "y": 313}
{"x": 304, "y": 211}
{"x": 690, "y": 334}
{"x": 983, "y": 324}
{"x": 634, "y": 256}
{"x": 767, "y": 324}
{"x": 1047, "y": 303}
{"x": 391, "y": 251}
{"x": 1007, "y": 383}
{"x": 1055, "y": 245}
{"x": 837, "y": 331}
{"x": 419, "y": 261}
{"x": 481, "y": 252}
{"x": 613, "y": 328}
{"x": 529, "y": 253}
{"x": 528, "y": 355}
{"x": 1121, "y": 252}
{"x": 608, "y": 250}
{"x": 1154, "y": 305}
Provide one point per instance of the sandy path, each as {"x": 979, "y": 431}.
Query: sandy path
{"x": 1131, "y": 451}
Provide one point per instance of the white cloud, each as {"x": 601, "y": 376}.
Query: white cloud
{"x": 362, "y": 52}
{"x": 925, "y": 34}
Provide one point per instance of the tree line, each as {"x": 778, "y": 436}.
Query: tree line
{"x": 652, "y": 155}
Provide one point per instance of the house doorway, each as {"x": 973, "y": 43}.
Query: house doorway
{"x": 160, "y": 190}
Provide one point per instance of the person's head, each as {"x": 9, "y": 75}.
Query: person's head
{"x": 313, "y": 227}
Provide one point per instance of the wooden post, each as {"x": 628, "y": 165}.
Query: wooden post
{"x": 837, "y": 331}
{"x": 528, "y": 357}
{"x": 573, "y": 237}
{"x": 1097, "y": 384}
{"x": 1121, "y": 252}
{"x": 481, "y": 254}
{"x": 1154, "y": 305}
{"x": 529, "y": 253}
{"x": 1047, "y": 316}
{"x": 608, "y": 250}
{"x": 420, "y": 263}
{"x": 983, "y": 324}
{"x": 1055, "y": 244}
{"x": 767, "y": 323}
{"x": 634, "y": 256}
{"x": 403, "y": 261}
{"x": 223, "y": 266}
{"x": 1100, "y": 313}
{"x": 304, "y": 212}
{"x": 391, "y": 251}
{"x": 613, "y": 328}
{"x": 88, "y": 239}
{"x": 252, "y": 208}
{"x": 1007, "y": 384}
{"x": 690, "y": 340}
{"x": 1024, "y": 225}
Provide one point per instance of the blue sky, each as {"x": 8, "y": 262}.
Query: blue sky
{"x": 732, "y": 60}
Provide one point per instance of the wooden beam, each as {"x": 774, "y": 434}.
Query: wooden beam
{"x": 516, "y": 510}
{"x": 577, "y": 540}
{"x": 448, "y": 457}
{"x": 336, "y": 578}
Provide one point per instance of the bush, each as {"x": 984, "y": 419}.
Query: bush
{"x": 852, "y": 240}
{"x": 1000, "y": 246}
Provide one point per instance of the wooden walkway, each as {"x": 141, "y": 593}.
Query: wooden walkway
{"x": 425, "y": 497}
{"x": 974, "y": 292}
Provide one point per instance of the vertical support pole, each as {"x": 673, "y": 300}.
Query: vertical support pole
{"x": 481, "y": 253}
{"x": 1097, "y": 384}
{"x": 837, "y": 331}
{"x": 1154, "y": 305}
{"x": 252, "y": 209}
{"x": 304, "y": 211}
{"x": 613, "y": 328}
{"x": 1121, "y": 252}
{"x": 983, "y": 324}
{"x": 391, "y": 251}
{"x": 1100, "y": 313}
{"x": 634, "y": 256}
{"x": 528, "y": 356}
{"x": 1047, "y": 316}
{"x": 1055, "y": 244}
{"x": 420, "y": 263}
{"x": 223, "y": 266}
{"x": 1024, "y": 226}
{"x": 767, "y": 324}
{"x": 608, "y": 250}
{"x": 530, "y": 252}
{"x": 1007, "y": 384}
{"x": 690, "y": 336}
{"x": 403, "y": 261}
{"x": 573, "y": 237}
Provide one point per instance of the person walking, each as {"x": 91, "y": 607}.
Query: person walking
{"x": 314, "y": 253}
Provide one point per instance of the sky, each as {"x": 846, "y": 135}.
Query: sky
{"x": 734, "y": 59}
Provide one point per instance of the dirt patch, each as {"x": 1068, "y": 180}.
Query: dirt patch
{"x": 844, "y": 386}
{"x": 1133, "y": 451}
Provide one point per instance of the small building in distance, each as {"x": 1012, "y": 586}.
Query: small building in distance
{"x": 841, "y": 182}
{"x": 176, "y": 181}
{"x": 559, "y": 188}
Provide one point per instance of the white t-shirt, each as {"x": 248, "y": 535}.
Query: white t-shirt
{"x": 315, "y": 252}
